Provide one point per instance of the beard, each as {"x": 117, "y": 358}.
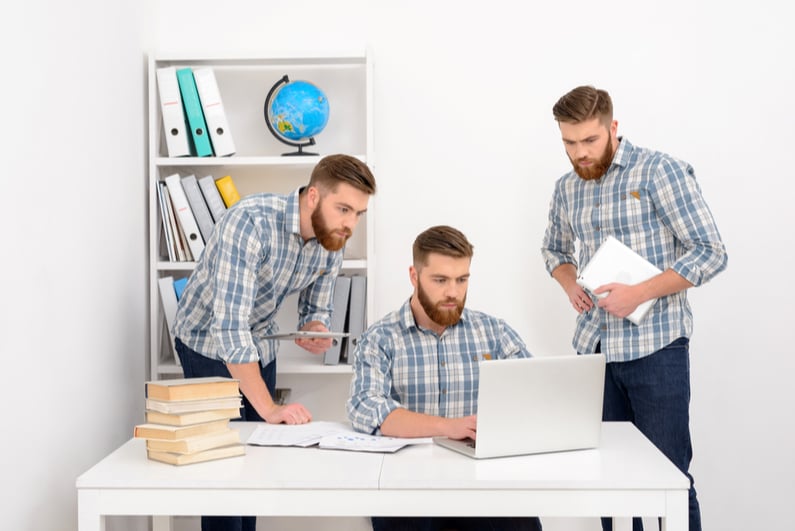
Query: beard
{"x": 326, "y": 236}
{"x": 597, "y": 168}
{"x": 440, "y": 316}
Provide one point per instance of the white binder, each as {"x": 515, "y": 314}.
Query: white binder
{"x": 214, "y": 113}
{"x": 174, "y": 128}
{"x": 615, "y": 262}
{"x": 357, "y": 319}
{"x": 342, "y": 290}
{"x": 185, "y": 215}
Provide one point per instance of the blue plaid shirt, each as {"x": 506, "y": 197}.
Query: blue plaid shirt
{"x": 652, "y": 203}
{"x": 397, "y": 364}
{"x": 253, "y": 260}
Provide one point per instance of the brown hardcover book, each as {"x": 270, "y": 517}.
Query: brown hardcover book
{"x": 193, "y": 406}
{"x": 192, "y": 388}
{"x": 186, "y": 419}
{"x": 195, "y": 444}
{"x": 171, "y": 433}
{"x": 198, "y": 457}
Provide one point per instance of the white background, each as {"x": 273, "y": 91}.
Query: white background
{"x": 463, "y": 135}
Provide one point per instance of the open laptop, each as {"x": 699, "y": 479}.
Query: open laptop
{"x": 536, "y": 405}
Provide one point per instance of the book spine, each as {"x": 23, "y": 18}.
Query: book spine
{"x": 228, "y": 190}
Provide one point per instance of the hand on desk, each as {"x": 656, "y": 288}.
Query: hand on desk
{"x": 288, "y": 414}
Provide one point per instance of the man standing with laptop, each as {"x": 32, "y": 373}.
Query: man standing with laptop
{"x": 415, "y": 372}
{"x": 651, "y": 202}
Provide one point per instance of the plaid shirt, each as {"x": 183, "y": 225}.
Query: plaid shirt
{"x": 397, "y": 364}
{"x": 254, "y": 259}
{"x": 652, "y": 203}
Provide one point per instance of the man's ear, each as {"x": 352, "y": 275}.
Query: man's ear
{"x": 312, "y": 197}
{"x": 413, "y": 275}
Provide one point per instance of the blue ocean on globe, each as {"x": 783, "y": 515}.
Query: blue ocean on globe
{"x": 299, "y": 110}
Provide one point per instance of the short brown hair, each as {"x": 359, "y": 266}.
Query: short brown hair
{"x": 332, "y": 170}
{"x": 441, "y": 239}
{"x": 584, "y": 103}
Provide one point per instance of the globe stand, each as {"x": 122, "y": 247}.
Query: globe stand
{"x": 300, "y": 145}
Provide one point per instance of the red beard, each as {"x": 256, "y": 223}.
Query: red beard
{"x": 597, "y": 168}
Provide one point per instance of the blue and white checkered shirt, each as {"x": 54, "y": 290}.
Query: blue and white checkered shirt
{"x": 397, "y": 364}
{"x": 253, "y": 260}
{"x": 652, "y": 203}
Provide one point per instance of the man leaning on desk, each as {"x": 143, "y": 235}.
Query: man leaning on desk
{"x": 415, "y": 372}
{"x": 265, "y": 248}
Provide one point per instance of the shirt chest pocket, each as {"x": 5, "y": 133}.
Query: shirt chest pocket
{"x": 631, "y": 209}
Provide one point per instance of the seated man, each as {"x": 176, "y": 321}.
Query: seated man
{"x": 416, "y": 370}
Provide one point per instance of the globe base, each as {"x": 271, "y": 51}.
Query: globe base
{"x": 301, "y": 151}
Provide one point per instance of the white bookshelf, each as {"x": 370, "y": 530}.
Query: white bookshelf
{"x": 258, "y": 166}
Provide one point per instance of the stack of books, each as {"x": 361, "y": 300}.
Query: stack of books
{"x": 187, "y": 420}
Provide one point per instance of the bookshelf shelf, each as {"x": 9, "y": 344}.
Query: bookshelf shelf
{"x": 231, "y": 162}
{"x": 258, "y": 166}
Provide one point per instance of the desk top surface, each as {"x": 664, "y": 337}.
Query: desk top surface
{"x": 625, "y": 459}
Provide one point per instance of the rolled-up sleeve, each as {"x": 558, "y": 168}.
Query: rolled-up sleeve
{"x": 370, "y": 399}
{"x": 557, "y": 247}
{"x": 702, "y": 253}
{"x": 315, "y": 301}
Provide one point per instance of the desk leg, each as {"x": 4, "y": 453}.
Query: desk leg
{"x": 88, "y": 516}
{"x": 161, "y": 523}
{"x": 676, "y": 516}
{"x": 622, "y": 524}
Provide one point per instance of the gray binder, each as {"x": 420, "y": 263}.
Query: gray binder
{"x": 213, "y": 197}
{"x": 357, "y": 320}
{"x": 198, "y": 206}
{"x": 342, "y": 290}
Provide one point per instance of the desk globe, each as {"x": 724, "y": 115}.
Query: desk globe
{"x": 296, "y": 111}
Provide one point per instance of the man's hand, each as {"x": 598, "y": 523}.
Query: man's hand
{"x": 621, "y": 299}
{"x": 462, "y": 428}
{"x": 254, "y": 389}
{"x": 287, "y": 414}
{"x": 315, "y": 345}
{"x": 566, "y": 275}
{"x": 579, "y": 298}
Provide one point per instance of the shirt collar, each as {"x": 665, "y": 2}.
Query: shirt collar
{"x": 623, "y": 153}
{"x": 292, "y": 212}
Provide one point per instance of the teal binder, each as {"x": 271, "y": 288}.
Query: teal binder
{"x": 194, "y": 113}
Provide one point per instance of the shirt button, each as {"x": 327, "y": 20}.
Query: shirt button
{"x": 444, "y": 391}
{"x": 597, "y": 228}
{"x": 603, "y": 327}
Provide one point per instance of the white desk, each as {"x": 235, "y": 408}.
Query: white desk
{"x": 626, "y": 477}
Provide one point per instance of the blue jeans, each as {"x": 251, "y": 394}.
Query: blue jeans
{"x": 194, "y": 365}
{"x": 454, "y": 523}
{"x": 654, "y": 394}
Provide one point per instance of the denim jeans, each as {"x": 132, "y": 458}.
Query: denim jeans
{"x": 654, "y": 394}
{"x": 194, "y": 365}
{"x": 454, "y": 523}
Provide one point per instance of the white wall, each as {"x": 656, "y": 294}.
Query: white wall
{"x": 464, "y": 135}
{"x": 73, "y": 284}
